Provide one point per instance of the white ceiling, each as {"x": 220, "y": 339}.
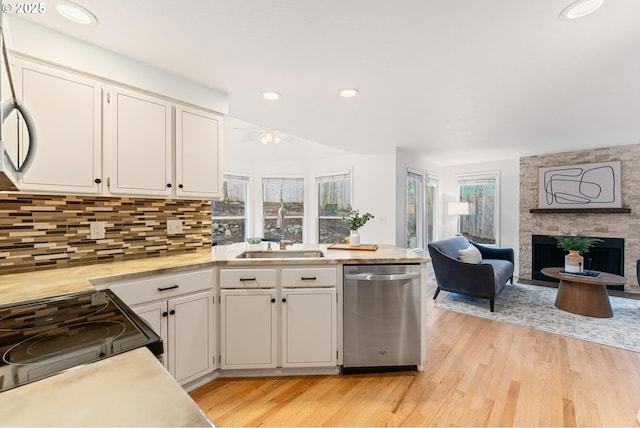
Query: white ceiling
{"x": 460, "y": 81}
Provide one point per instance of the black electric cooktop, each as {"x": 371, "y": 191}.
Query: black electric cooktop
{"x": 44, "y": 337}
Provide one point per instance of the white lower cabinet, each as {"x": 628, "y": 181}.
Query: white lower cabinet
{"x": 309, "y": 333}
{"x": 248, "y": 328}
{"x": 180, "y": 308}
{"x": 256, "y": 323}
{"x": 185, "y": 325}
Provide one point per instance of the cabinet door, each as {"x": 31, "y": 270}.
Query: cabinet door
{"x": 140, "y": 144}
{"x": 191, "y": 336}
{"x": 198, "y": 153}
{"x": 156, "y": 315}
{"x": 248, "y": 329}
{"x": 309, "y": 333}
{"x": 67, "y": 113}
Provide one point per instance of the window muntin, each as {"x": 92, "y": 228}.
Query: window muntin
{"x": 229, "y": 215}
{"x": 288, "y": 193}
{"x": 334, "y": 196}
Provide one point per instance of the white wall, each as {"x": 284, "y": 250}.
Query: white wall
{"x": 509, "y": 199}
{"x": 42, "y": 43}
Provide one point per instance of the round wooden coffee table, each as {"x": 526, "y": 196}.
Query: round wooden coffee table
{"x": 584, "y": 295}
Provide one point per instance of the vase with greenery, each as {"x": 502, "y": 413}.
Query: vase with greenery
{"x": 355, "y": 221}
{"x": 576, "y": 245}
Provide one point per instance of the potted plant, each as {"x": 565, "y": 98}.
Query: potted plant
{"x": 576, "y": 245}
{"x": 355, "y": 221}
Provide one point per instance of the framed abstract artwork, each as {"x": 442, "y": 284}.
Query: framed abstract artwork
{"x": 591, "y": 185}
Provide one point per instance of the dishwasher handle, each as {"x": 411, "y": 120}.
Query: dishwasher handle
{"x": 382, "y": 277}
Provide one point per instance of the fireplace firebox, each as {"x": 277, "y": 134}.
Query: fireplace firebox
{"x": 605, "y": 256}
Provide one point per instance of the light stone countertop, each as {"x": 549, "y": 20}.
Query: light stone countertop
{"x": 126, "y": 390}
{"x": 35, "y": 285}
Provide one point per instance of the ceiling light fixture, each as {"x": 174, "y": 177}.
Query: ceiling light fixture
{"x": 76, "y": 13}
{"x": 349, "y": 92}
{"x": 269, "y": 136}
{"x": 580, "y": 9}
{"x": 271, "y": 95}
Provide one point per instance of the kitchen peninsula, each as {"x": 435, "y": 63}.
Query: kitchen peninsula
{"x": 134, "y": 275}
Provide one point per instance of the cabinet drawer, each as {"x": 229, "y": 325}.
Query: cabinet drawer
{"x": 247, "y": 278}
{"x": 309, "y": 277}
{"x": 164, "y": 286}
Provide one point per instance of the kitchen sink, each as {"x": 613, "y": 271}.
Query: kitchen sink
{"x": 279, "y": 254}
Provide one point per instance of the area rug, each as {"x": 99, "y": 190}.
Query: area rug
{"x": 533, "y": 306}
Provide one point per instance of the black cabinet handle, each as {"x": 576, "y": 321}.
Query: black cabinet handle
{"x": 169, "y": 185}
{"x": 248, "y": 279}
{"x": 172, "y": 312}
{"x": 284, "y": 300}
{"x": 180, "y": 186}
{"x": 173, "y": 287}
{"x": 97, "y": 181}
{"x": 273, "y": 300}
{"x": 164, "y": 314}
{"x": 308, "y": 278}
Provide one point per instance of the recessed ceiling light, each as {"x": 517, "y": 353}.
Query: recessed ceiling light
{"x": 580, "y": 8}
{"x": 349, "y": 92}
{"x": 271, "y": 95}
{"x": 75, "y": 13}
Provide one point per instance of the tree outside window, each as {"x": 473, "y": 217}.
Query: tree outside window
{"x": 228, "y": 216}
{"x": 334, "y": 196}
{"x": 481, "y": 192}
{"x": 288, "y": 193}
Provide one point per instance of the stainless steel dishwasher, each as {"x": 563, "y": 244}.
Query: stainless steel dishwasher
{"x": 381, "y": 318}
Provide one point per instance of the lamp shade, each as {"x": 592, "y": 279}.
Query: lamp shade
{"x": 458, "y": 208}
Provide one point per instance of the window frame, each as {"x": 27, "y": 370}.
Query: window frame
{"x": 420, "y": 203}
{"x": 433, "y": 181}
{"x": 329, "y": 177}
{"x": 478, "y": 178}
{"x": 284, "y": 178}
{"x": 246, "y": 180}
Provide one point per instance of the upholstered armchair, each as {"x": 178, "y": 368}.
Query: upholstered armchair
{"x": 478, "y": 270}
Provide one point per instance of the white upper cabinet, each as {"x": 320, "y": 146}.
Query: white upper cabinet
{"x": 198, "y": 153}
{"x": 141, "y": 150}
{"x": 140, "y": 144}
{"x": 67, "y": 113}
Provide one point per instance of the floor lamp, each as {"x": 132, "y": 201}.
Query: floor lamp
{"x": 458, "y": 209}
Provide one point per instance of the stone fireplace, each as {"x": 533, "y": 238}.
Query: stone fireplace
{"x": 607, "y": 225}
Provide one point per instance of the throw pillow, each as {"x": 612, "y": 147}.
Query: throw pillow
{"x": 470, "y": 255}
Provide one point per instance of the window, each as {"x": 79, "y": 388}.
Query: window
{"x": 414, "y": 210}
{"x": 288, "y": 193}
{"x": 431, "y": 203}
{"x": 481, "y": 192}
{"x": 334, "y": 195}
{"x": 229, "y": 215}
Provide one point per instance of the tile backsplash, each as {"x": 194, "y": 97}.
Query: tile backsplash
{"x": 48, "y": 231}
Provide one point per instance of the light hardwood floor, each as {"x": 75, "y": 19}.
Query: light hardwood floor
{"x": 478, "y": 373}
